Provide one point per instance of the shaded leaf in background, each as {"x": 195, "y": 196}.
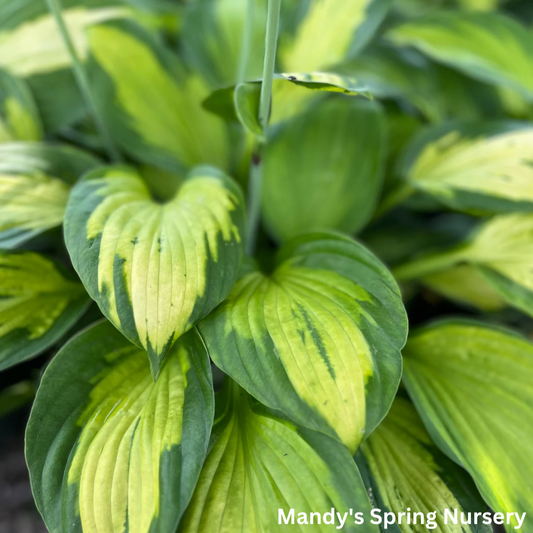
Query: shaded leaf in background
{"x": 480, "y": 167}
{"x": 97, "y": 412}
{"x": 24, "y": 26}
{"x": 391, "y": 73}
{"x": 472, "y": 386}
{"x": 490, "y": 47}
{"x": 437, "y": 92}
{"x": 259, "y": 463}
{"x": 403, "y": 469}
{"x": 307, "y": 187}
{"x": 35, "y": 180}
{"x": 501, "y": 252}
{"x": 155, "y": 269}
{"x": 213, "y": 39}
{"x": 152, "y": 107}
{"x": 328, "y": 31}
{"x": 420, "y": 235}
{"x": 319, "y": 339}
{"x": 22, "y": 51}
{"x": 465, "y": 284}
{"x": 15, "y": 397}
{"x": 39, "y": 303}
{"x": 469, "y": 99}
{"x": 19, "y": 118}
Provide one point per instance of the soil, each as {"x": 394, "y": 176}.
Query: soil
{"x": 17, "y": 510}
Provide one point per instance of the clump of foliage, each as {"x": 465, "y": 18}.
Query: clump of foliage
{"x": 204, "y": 196}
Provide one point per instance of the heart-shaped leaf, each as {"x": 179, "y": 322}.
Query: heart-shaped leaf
{"x": 324, "y": 169}
{"x": 155, "y": 269}
{"x": 35, "y": 180}
{"x": 406, "y": 473}
{"x": 152, "y": 106}
{"x": 472, "y": 386}
{"x": 19, "y": 118}
{"x": 501, "y": 253}
{"x": 109, "y": 449}
{"x": 484, "y": 168}
{"x": 39, "y": 303}
{"x": 261, "y": 468}
{"x": 478, "y": 44}
{"x": 319, "y": 339}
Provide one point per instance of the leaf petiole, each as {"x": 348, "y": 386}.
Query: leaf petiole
{"x": 254, "y": 193}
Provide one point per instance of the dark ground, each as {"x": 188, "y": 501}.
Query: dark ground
{"x": 17, "y": 511}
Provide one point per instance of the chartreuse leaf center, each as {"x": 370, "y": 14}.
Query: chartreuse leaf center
{"x": 19, "y": 195}
{"x": 471, "y": 384}
{"x": 327, "y": 32}
{"x": 126, "y": 450}
{"x": 260, "y": 463}
{"x": 483, "y": 168}
{"x": 35, "y": 181}
{"x": 153, "y": 107}
{"x": 19, "y": 118}
{"x": 499, "y": 252}
{"x": 406, "y": 471}
{"x": 38, "y": 304}
{"x": 151, "y": 266}
{"x": 305, "y": 340}
{"x": 126, "y": 407}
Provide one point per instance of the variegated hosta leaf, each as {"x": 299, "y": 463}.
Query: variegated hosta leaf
{"x": 21, "y": 48}
{"x": 213, "y": 32}
{"x": 155, "y": 269}
{"x": 488, "y": 46}
{"x": 291, "y": 94}
{"x": 39, "y": 303}
{"x": 108, "y": 449}
{"x": 35, "y": 180}
{"x": 155, "y": 114}
{"x": 24, "y": 26}
{"x": 19, "y": 118}
{"x": 323, "y": 169}
{"x": 483, "y": 168}
{"x": 472, "y": 386}
{"x": 330, "y": 30}
{"x": 403, "y": 470}
{"x": 501, "y": 253}
{"x": 319, "y": 339}
{"x": 259, "y": 463}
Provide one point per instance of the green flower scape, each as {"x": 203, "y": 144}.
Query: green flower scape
{"x": 269, "y": 263}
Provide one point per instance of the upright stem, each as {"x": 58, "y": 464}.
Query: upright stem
{"x": 271, "y": 43}
{"x": 256, "y": 169}
{"x": 79, "y": 73}
{"x": 246, "y": 41}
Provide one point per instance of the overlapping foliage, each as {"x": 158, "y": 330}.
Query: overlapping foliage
{"x": 258, "y": 196}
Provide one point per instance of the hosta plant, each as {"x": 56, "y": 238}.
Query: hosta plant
{"x": 217, "y": 219}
